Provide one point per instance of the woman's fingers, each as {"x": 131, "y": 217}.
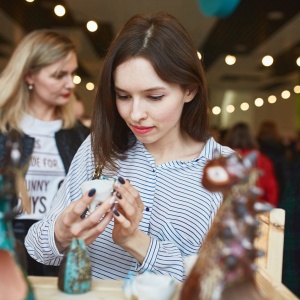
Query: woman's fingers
{"x": 97, "y": 214}
{"x": 96, "y": 217}
{"x": 121, "y": 219}
{"x": 69, "y": 224}
{"x": 78, "y": 207}
{"x": 126, "y": 207}
{"x": 97, "y": 230}
{"x": 129, "y": 193}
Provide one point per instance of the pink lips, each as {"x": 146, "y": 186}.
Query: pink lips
{"x": 66, "y": 95}
{"x": 141, "y": 129}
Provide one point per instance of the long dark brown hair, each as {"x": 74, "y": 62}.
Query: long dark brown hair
{"x": 164, "y": 42}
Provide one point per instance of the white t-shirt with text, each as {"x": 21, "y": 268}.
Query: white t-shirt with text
{"x": 46, "y": 171}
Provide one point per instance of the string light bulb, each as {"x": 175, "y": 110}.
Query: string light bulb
{"x": 76, "y": 79}
{"x": 90, "y": 86}
{"x": 230, "y": 108}
{"x": 272, "y": 99}
{"x": 286, "y": 94}
{"x": 216, "y": 110}
{"x": 92, "y": 26}
{"x": 267, "y": 60}
{"x": 259, "y": 102}
{"x": 59, "y": 10}
{"x": 230, "y": 60}
{"x": 244, "y": 106}
{"x": 297, "y": 89}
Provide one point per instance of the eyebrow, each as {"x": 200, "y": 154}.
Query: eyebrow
{"x": 147, "y": 90}
{"x": 62, "y": 71}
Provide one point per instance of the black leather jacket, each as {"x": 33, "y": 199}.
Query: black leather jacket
{"x": 67, "y": 140}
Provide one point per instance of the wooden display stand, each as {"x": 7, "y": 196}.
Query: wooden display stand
{"x": 273, "y": 290}
{"x": 271, "y": 241}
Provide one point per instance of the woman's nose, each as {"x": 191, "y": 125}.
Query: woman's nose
{"x": 138, "y": 111}
{"x": 70, "y": 83}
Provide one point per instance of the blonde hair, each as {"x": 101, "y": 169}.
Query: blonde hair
{"x": 37, "y": 50}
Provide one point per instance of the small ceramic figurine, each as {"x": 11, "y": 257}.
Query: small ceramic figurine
{"x": 75, "y": 272}
{"x": 13, "y": 281}
{"x": 225, "y": 265}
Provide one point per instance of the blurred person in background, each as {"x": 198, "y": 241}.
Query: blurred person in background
{"x": 286, "y": 162}
{"x": 271, "y": 144}
{"x": 36, "y": 102}
{"x": 291, "y": 204}
{"x": 240, "y": 138}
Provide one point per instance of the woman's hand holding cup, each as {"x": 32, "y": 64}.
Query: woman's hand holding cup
{"x": 69, "y": 223}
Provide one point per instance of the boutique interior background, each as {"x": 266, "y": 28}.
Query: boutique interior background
{"x": 254, "y": 29}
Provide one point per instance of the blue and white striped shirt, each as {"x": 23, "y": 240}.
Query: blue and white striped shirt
{"x": 178, "y": 212}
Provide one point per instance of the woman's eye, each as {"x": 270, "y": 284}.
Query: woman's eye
{"x": 155, "y": 98}
{"x": 122, "y": 97}
{"x": 59, "y": 75}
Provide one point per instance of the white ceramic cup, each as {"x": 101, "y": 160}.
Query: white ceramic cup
{"x": 148, "y": 286}
{"x": 103, "y": 188}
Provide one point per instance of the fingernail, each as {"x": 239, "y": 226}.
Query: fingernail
{"x": 118, "y": 195}
{"x": 112, "y": 200}
{"x": 84, "y": 214}
{"x": 116, "y": 213}
{"x": 121, "y": 180}
{"x": 92, "y": 192}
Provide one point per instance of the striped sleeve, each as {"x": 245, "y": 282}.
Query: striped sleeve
{"x": 163, "y": 258}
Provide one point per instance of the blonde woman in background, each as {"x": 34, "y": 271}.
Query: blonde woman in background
{"x": 36, "y": 102}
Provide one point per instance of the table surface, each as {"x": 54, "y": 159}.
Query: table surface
{"x": 46, "y": 288}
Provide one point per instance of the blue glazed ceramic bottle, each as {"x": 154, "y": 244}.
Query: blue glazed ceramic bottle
{"x": 75, "y": 273}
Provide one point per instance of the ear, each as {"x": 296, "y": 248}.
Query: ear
{"x": 29, "y": 78}
{"x": 190, "y": 93}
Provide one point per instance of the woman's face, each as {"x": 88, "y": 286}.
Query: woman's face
{"x": 150, "y": 106}
{"x": 52, "y": 87}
